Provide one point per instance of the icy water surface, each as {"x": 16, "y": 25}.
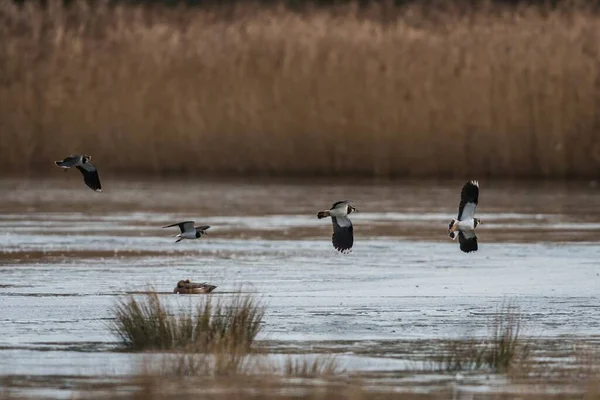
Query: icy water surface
{"x": 68, "y": 253}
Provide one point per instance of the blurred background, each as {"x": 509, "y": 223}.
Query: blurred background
{"x": 302, "y": 88}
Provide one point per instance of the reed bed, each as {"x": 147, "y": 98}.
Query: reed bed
{"x": 376, "y": 91}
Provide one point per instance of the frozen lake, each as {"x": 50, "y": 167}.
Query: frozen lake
{"x": 68, "y": 253}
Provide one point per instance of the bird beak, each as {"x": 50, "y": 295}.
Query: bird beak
{"x": 452, "y": 229}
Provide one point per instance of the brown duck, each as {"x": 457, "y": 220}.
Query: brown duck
{"x": 189, "y": 287}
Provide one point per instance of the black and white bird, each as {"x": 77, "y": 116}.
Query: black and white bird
{"x": 343, "y": 232}
{"x": 188, "y": 230}
{"x": 464, "y": 226}
{"x": 87, "y": 169}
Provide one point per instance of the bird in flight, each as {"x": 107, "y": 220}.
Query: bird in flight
{"x": 189, "y": 231}
{"x": 343, "y": 232}
{"x": 87, "y": 169}
{"x": 189, "y": 287}
{"x": 464, "y": 225}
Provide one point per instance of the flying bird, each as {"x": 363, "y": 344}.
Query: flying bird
{"x": 189, "y": 231}
{"x": 464, "y": 225}
{"x": 189, "y": 287}
{"x": 87, "y": 169}
{"x": 343, "y": 232}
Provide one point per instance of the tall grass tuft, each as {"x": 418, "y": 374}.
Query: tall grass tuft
{"x": 223, "y": 363}
{"x": 507, "y": 347}
{"x": 215, "y": 364}
{"x": 258, "y": 89}
{"x": 503, "y": 350}
{"x": 146, "y": 324}
{"x": 320, "y": 367}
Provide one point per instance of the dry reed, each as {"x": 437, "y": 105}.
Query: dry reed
{"x": 320, "y": 367}
{"x": 503, "y": 350}
{"x": 224, "y": 363}
{"x": 248, "y": 89}
{"x": 261, "y": 384}
{"x": 219, "y": 327}
{"x": 185, "y": 375}
{"x": 215, "y": 374}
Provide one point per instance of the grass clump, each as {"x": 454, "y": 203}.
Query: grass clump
{"x": 507, "y": 346}
{"x": 147, "y": 324}
{"x": 222, "y": 363}
{"x": 215, "y": 364}
{"x": 317, "y": 368}
{"x": 501, "y": 351}
{"x": 250, "y": 376}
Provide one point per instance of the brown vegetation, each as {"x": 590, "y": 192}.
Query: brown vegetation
{"x": 200, "y": 375}
{"x": 502, "y": 351}
{"x": 229, "y": 327}
{"x": 347, "y": 91}
{"x": 325, "y": 382}
{"x": 214, "y": 376}
{"x": 318, "y": 368}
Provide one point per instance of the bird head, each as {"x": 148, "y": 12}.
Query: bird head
{"x": 452, "y": 226}
{"x": 477, "y": 222}
{"x": 351, "y": 209}
{"x": 86, "y": 158}
{"x": 180, "y": 284}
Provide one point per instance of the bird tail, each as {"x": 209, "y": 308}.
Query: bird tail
{"x": 210, "y": 288}
{"x": 323, "y": 214}
{"x": 178, "y": 236}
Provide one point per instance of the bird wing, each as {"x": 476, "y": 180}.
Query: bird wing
{"x": 339, "y": 203}
{"x": 90, "y": 176}
{"x": 69, "y": 161}
{"x": 467, "y": 241}
{"x": 88, "y": 166}
{"x": 343, "y": 233}
{"x": 202, "y": 229}
{"x": 187, "y": 226}
{"x": 469, "y": 196}
{"x": 195, "y": 285}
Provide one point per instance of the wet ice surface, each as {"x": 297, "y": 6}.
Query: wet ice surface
{"x": 67, "y": 253}
{"x": 384, "y": 289}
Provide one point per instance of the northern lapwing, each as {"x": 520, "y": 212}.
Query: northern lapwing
{"x": 87, "y": 169}
{"x": 464, "y": 225}
{"x": 343, "y": 232}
